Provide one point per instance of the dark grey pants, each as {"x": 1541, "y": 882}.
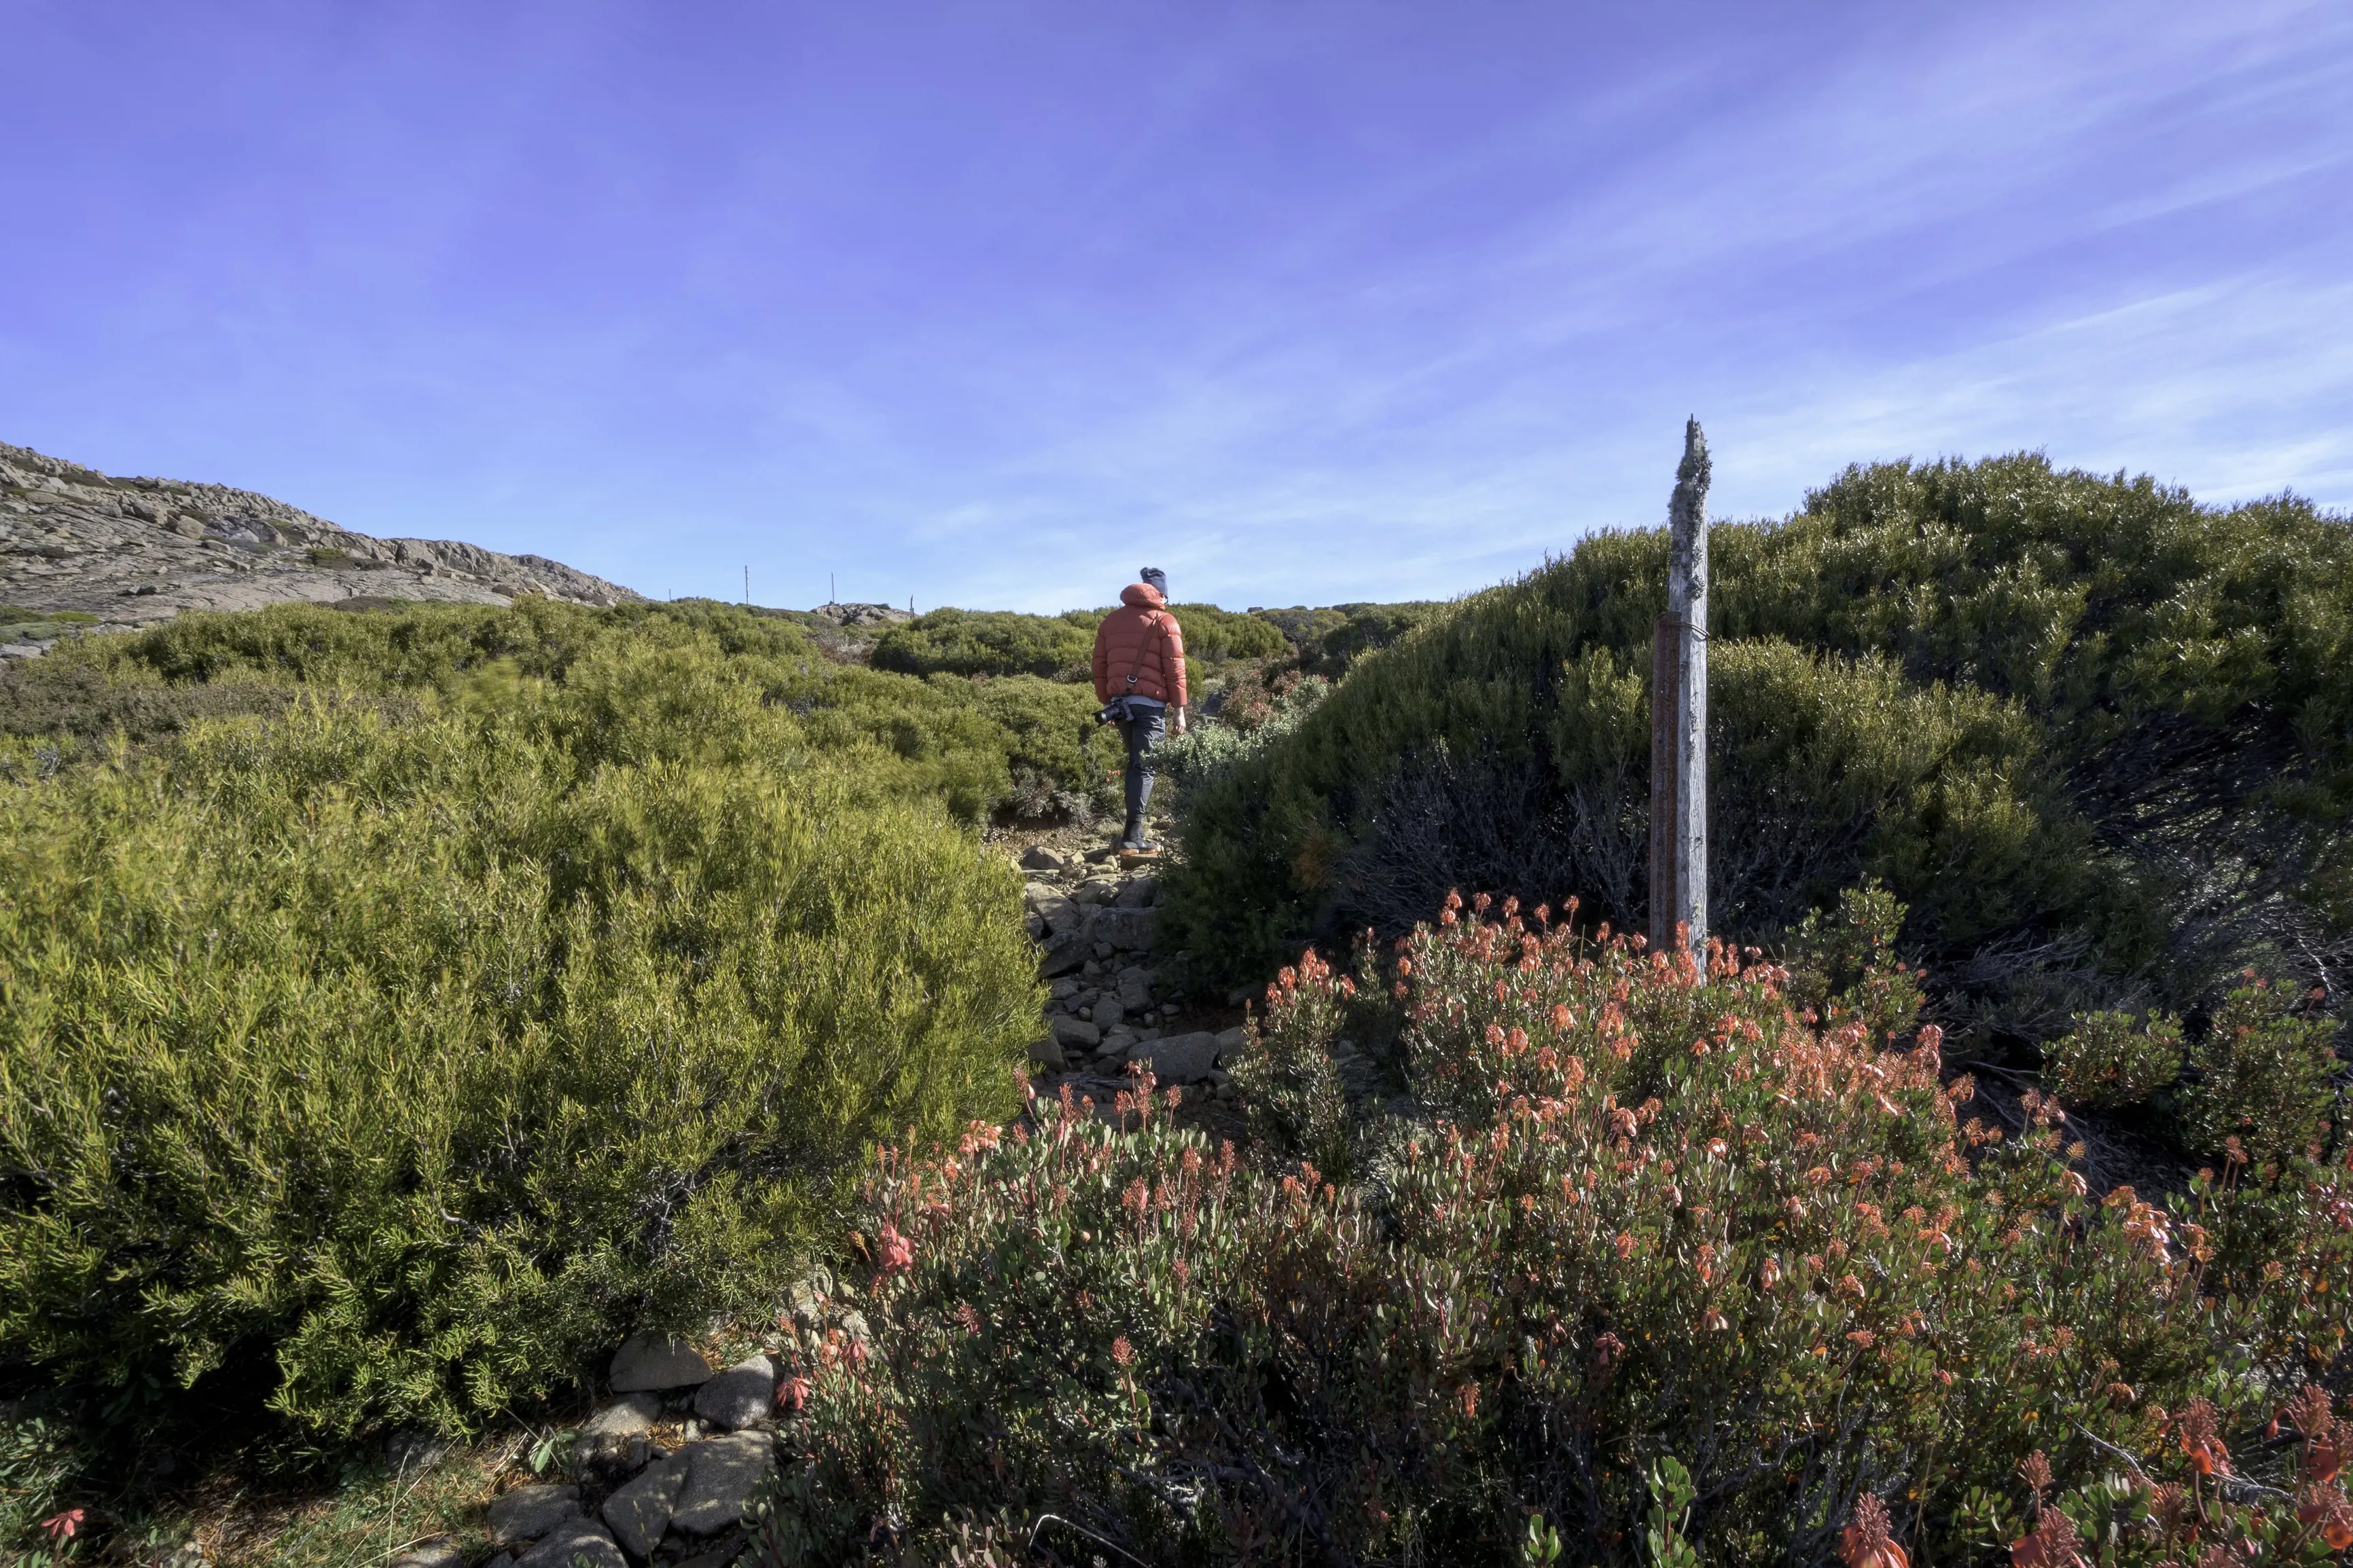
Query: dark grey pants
{"x": 1146, "y": 730}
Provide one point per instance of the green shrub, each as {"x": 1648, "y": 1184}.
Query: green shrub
{"x": 393, "y": 1070}
{"x": 39, "y": 1459}
{"x": 985, "y": 642}
{"x": 1217, "y": 637}
{"x": 1302, "y": 626}
{"x": 39, "y": 626}
{"x": 2265, "y": 1079}
{"x": 2093, "y": 734}
{"x": 1366, "y": 627}
{"x": 1659, "y": 1258}
{"x": 986, "y": 748}
{"x": 2114, "y": 1058}
{"x": 1004, "y": 642}
{"x": 57, "y": 699}
{"x": 1256, "y": 717}
{"x": 1327, "y": 640}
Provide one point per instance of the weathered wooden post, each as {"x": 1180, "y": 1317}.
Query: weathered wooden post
{"x": 1679, "y": 714}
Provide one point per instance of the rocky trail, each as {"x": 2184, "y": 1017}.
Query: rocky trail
{"x": 127, "y": 552}
{"x": 1111, "y": 1004}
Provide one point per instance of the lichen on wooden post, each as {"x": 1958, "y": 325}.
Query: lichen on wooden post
{"x": 1679, "y": 714}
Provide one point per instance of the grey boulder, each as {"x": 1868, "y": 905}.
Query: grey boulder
{"x": 1230, "y": 1041}
{"x": 1047, "y": 1054}
{"x": 722, "y": 1476}
{"x": 1108, "y": 1013}
{"x": 1058, "y": 912}
{"x": 1050, "y": 905}
{"x": 527, "y": 1513}
{"x": 431, "y": 1555}
{"x": 640, "y": 1511}
{"x": 611, "y": 1432}
{"x": 1139, "y": 894}
{"x": 575, "y": 1543}
{"x": 739, "y": 1397}
{"x": 1070, "y": 1033}
{"x": 1065, "y": 952}
{"x": 723, "y": 1551}
{"x": 1180, "y": 1058}
{"x": 647, "y": 1362}
{"x": 1124, "y": 931}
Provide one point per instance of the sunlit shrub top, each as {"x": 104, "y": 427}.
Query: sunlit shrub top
{"x": 977, "y": 746}
{"x": 388, "y": 1069}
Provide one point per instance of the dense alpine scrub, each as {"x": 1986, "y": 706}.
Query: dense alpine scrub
{"x": 1004, "y": 642}
{"x": 1260, "y": 708}
{"x": 507, "y": 981}
{"x": 1661, "y": 1263}
{"x": 1326, "y": 640}
{"x": 1007, "y": 748}
{"x": 988, "y": 642}
{"x": 2099, "y": 738}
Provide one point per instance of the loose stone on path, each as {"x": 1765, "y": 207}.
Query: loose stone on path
{"x": 652, "y": 1362}
{"x": 640, "y": 1513}
{"x": 722, "y": 1477}
{"x": 740, "y": 1397}
{"x": 529, "y": 1512}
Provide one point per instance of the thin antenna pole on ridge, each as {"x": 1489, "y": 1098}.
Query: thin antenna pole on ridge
{"x": 1679, "y": 714}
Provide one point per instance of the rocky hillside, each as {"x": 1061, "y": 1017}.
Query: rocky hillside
{"x": 125, "y": 553}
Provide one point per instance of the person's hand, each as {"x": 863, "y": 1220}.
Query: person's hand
{"x": 1180, "y": 721}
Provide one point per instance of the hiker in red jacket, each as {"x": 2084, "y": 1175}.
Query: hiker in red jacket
{"x": 1140, "y": 681}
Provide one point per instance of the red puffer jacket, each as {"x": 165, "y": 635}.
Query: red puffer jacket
{"x": 1142, "y": 638}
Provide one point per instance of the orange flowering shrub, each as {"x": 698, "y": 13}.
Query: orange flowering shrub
{"x": 1289, "y": 1083}
{"x": 1671, "y": 1263}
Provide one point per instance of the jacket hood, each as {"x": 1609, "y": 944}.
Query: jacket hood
{"x": 1142, "y": 596}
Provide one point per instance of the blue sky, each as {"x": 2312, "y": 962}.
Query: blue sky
{"x": 989, "y": 305}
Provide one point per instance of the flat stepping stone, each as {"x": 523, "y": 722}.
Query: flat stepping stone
{"x": 575, "y": 1543}
{"x": 527, "y": 1513}
{"x": 431, "y": 1555}
{"x": 640, "y": 1513}
{"x": 722, "y": 1477}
